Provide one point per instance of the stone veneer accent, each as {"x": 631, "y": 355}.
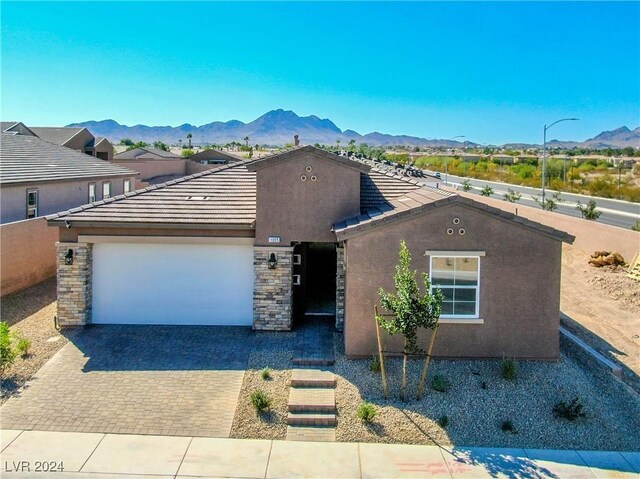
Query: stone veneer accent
{"x": 272, "y": 289}
{"x": 340, "y": 275}
{"x": 74, "y": 284}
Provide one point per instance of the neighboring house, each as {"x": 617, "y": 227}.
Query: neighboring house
{"x": 155, "y": 165}
{"x": 38, "y": 178}
{"x": 214, "y": 157}
{"x": 305, "y": 233}
{"x": 79, "y": 139}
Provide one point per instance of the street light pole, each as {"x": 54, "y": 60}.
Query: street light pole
{"x": 544, "y": 155}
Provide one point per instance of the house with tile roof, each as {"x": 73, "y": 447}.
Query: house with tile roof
{"x": 214, "y": 157}
{"x": 271, "y": 242}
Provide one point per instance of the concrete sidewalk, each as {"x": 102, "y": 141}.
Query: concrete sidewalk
{"x": 93, "y": 456}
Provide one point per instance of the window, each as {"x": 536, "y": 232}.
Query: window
{"x": 127, "y": 186}
{"x": 106, "y": 190}
{"x": 32, "y": 203}
{"x": 92, "y": 192}
{"x": 458, "y": 278}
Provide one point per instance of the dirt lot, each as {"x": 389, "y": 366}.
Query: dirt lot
{"x": 30, "y": 313}
{"x": 602, "y": 306}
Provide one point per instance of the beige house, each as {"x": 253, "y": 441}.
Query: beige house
{"x": 271, "y": 242}
{"x": 214, "y": 157}
{"x": 38, "y": 177}
{"x": 79, "y": 139}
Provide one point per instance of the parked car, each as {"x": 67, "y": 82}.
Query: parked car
{"x": 437, "y": 175}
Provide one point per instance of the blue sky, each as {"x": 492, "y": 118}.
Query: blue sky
{"x": 494, "y": 72}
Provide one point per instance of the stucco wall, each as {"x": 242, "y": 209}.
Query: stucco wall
{"x": 519, "y": 284}
{"x": 27, "y": 254}
{"x": 79, "y": 141}
{"x": 53, "y": 196}
{"x": 297, "y": 210}
{"x": 192, "y": 167}
{"x": 152, "y": 168}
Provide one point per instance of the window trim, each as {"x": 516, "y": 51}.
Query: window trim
{"x": 95, "y": 192}
{"x": 126, "y": 185}
{"x": 459, "y": 318}
{"x": 37, "y": 205}
{"x": 108, "y": 195}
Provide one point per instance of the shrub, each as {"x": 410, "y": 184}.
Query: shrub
{"x": 23, "y": 345}
{"x": 443, "y": 421}
{"x": 260, "y": 400}
{"x": 486, "y": 191}
{"x": 569, "y": 411}
{"x": 7, "y": 353}
{"x": 483, "y": 385}
{"x": 509, "y": 369}
{"x": 440, "y": 383}
{"x": 266, "y": 373}
{"x": 507, "y": 426}
{"x": 367, "y": 412}
{"x": 636, "y": 227}
{"x": 375, "y": 364}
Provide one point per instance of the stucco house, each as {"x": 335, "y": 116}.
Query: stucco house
{"x": 214, "y": 157}
{"x": 270, "y": 242}
{"x": 79, "y": 139}
{"x": 38, "y": 178}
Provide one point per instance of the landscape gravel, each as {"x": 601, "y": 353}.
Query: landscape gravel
{"x": 476, "y": 414}
{"x": 30, "y": 314}
{"x": 271, "y": 424}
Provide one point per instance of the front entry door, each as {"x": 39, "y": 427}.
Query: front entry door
{"x": 314, "y": 271}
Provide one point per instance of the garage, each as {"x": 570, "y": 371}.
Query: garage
{"x": 177, "y": 283}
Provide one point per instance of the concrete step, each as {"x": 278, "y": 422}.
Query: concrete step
{"x": 312, "y": 378}
{"x": 316, "y": 434}
{"x": 311, "y": 361}
{"x": 312, "y": 400}
{"x": 311, "y": 419}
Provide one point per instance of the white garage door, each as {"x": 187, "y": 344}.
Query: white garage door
{"x": 172, "y": 284}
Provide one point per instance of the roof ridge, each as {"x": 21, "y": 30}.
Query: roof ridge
{"x": 157, "y": 186}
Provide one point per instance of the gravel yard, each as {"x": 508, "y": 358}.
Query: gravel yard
{"x": 476, "y": 414}
{"x": 271, "y": 424}
{"x": 29, "y": 314}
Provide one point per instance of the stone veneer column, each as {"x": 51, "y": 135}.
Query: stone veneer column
{"x": 340, "y": 274}
{"x": 272, "y": 289}
{"x": 75, "y": 284}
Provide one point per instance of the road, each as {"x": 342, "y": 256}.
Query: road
{"x": 622, "y": 214}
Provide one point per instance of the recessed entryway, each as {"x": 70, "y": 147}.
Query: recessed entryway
{"x": 314, "y": 280}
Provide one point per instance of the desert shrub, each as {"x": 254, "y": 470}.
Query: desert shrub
{"x": 260, "y": 400}
{"x": 375, "y": 364}
{"x": 509, "y": 369}
{"x": 22, "y": 346}
{"x": 265, "y": 373}
{"x": 7, "y": 353}
{"x": 443, "y": 421}
{"x": 636, "y": 227}
{"x": 486, "y": 191}
{"x": 569, "y": 410}
{"x": 367, "y": 412}
{"x": 507, "y": 426}
{"x": 440, "y": 383}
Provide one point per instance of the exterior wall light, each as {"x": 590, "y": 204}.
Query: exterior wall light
{"x": 68, "y": 258}
{"x": 272, "y": 261}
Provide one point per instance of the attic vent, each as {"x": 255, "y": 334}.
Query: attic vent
{"x": 198, "y": 198}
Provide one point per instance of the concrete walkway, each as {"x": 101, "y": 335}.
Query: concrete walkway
{"x": 97, "y": 456}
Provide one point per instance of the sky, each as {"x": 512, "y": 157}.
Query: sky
{"x": 493, "y": 72}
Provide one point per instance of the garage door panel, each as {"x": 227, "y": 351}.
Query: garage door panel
{"x": 172, "y": 284}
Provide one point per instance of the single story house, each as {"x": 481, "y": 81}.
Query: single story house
{"x": 305, "y": 233}
{"x": 214, "y": 157}
{"x": 38, "y": 178}
{"x": 79, "y": 139}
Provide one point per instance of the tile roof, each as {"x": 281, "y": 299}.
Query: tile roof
{"x": 28, "y": 159}
{"x": 5, "y": 125}
{"x": 424, "y": 200}
{"x": 146, "y": 153}
{"x": 211, "y": 153}
{"x": 222, "y": 197}
{"x": 295, "y": 151}
{"x": 57, "y": 135}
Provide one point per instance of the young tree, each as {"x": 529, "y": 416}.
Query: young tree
{"x": 512, "y": 196}
{"x": 486, "y": 191}
{"x": 466, "y": 185}
{"x": 589, "y": 211}
{"x": 411, "y": 310}
{"x": 550, "y": 204}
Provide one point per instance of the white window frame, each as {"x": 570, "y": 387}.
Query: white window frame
{"x": 93, "y": 197}
{"x": 106, "y": 190}
{"x": 126, "y": 186}
{"x": 459, "y": 255}
{"x": 34, "y": 208}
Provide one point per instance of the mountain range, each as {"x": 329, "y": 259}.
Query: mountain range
{"x": 277, "y": 127}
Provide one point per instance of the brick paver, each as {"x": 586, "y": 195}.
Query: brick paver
{"x": 164, "y": 380}
{"x": 315, "y": 434}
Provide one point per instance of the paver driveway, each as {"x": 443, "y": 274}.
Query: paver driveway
{"x": 165, "y": 380}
